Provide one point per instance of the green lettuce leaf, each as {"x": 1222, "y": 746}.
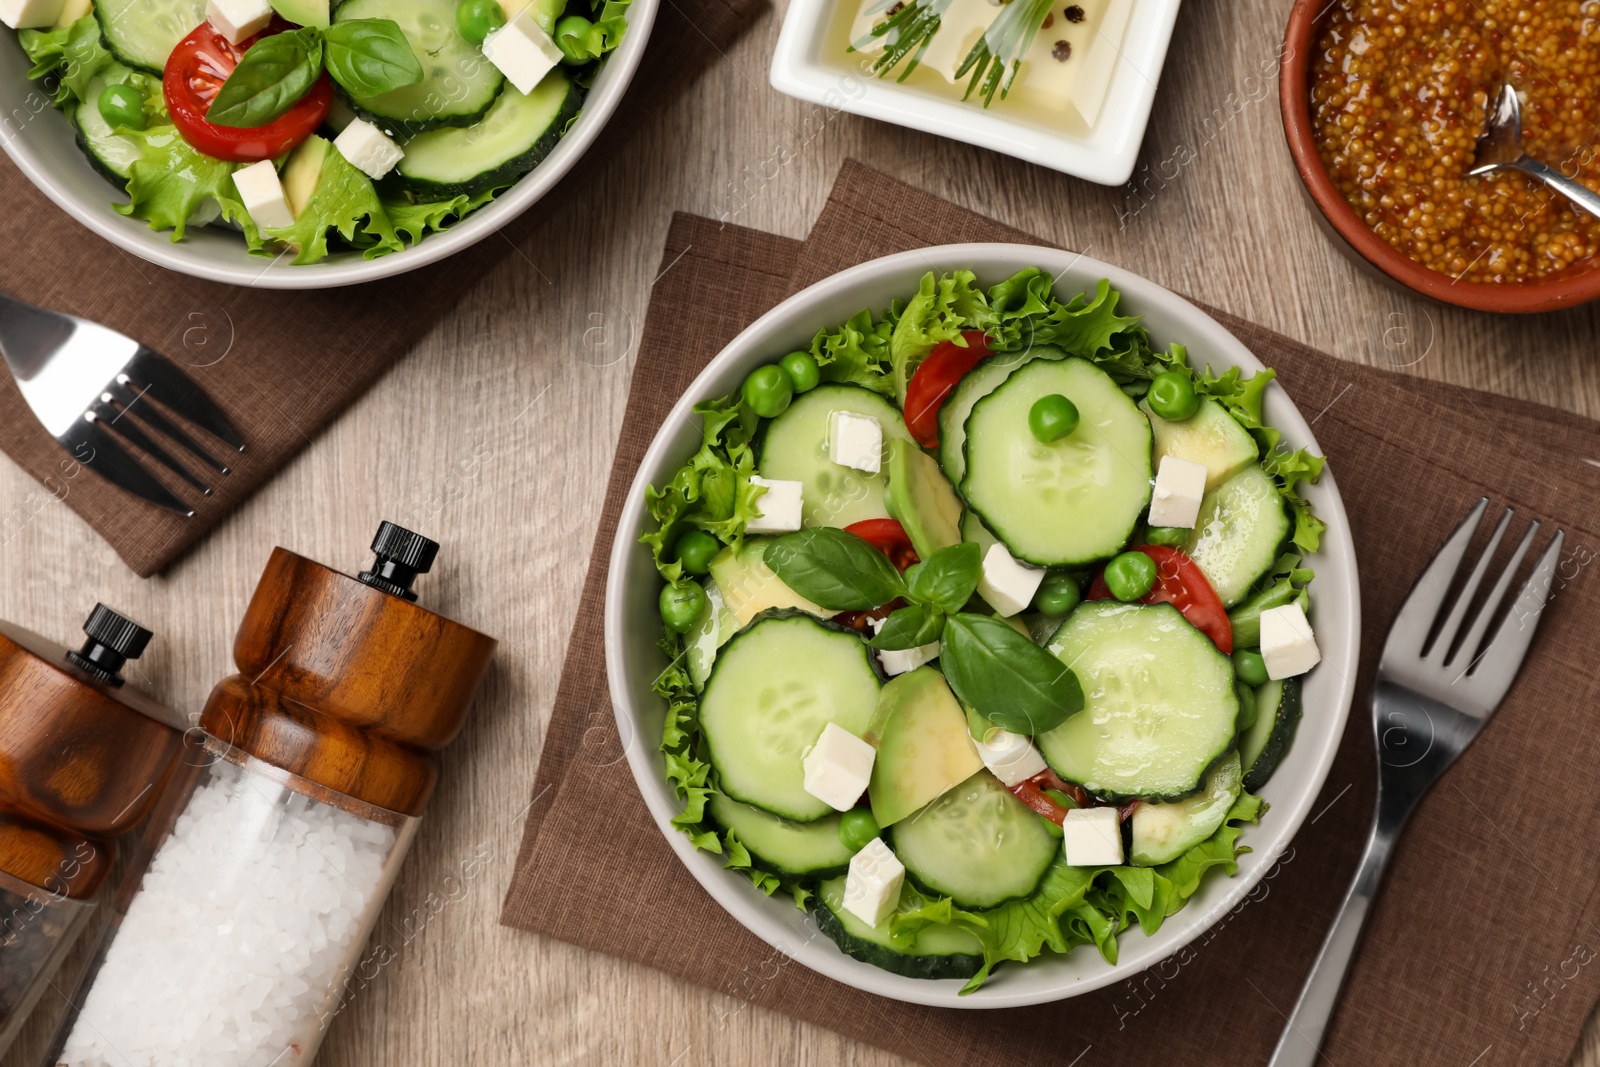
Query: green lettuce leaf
{"x": 711, "y": 492}
{"x": 856, "y": 353}
{"x": 944, "y": 306}
{"x": 414, "y": 221}
{"x": 1083, "y": 326}
{"x": 171, "y": 183}
{"x": 343, "y": 202}
{"x": 75, "y": 53}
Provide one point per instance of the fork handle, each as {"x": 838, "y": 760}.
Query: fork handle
{"x": 1570, "y": 188}
{"x": 1302, "y": 1038}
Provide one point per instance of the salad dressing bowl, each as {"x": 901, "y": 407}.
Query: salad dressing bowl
{"x": 632, "y": 627}
{"x": 41, "y": 142}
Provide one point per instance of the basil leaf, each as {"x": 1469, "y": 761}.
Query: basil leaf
{"x": 269, "y": 80}
{"x": 1005, "y": 677}
{"x": 947, "y": 578}
{"x": 909, "y": 627}
{"x": 835, "y": 570}
{"x": 370, "y": 57}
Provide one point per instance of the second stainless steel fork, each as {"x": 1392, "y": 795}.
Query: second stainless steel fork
{"x": 97, "y": 392}
{"x": 1437, "y": 685}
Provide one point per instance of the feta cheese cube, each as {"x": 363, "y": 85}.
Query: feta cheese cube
{"x": 523, "y": 52}
{"x": 872, "y": 888}
{"x": 1180, "y": 486}
{"x": 902, "y": 660}
{"x": 1092, "y": 837}
{"x": 1010, "y": 757}
{"x": 262, "y": 194}
{"x": 30, "y": 14}
{"x": 238, "y": 19}
{"x": 780, "y": 506}
{"x": 838, "y": 767}
{"x": 1287, "y": 644}
{"x": 855, "y": 441}
{"x": 1007, "y": 585}
{"x": 368, "y": 149}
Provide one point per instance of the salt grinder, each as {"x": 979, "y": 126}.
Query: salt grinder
{"x": 322, "y": 755}
{"x": 83, "y": 756}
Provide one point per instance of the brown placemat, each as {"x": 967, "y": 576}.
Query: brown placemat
{"x": 1478, "y": 952}
{"x": 281, "y": 364}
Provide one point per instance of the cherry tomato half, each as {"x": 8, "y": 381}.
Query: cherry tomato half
{"x": 888, "y": 537}
{"x": 1181, "y": 583}
{"x": 946, "y": 365}
{"x": 194, "y": 76}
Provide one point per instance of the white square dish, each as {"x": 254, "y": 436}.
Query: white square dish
{"x": 811, "y": 63}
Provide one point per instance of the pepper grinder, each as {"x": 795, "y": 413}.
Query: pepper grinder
{"x": 236, "y": 948}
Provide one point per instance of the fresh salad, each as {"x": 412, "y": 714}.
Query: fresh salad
{"x": 316, "y": 126}
{"x": 986, "y": 622}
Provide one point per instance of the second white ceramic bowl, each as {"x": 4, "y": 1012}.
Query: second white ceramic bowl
{"x": 632, "y": 627}
{"x": 40, "y": 141}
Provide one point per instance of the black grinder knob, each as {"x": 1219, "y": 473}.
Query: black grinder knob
{"x": 113, "y": 640}
{"x": 402, "y": 555}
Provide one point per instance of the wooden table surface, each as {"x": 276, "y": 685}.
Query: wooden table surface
{"x": 494, "y": 437}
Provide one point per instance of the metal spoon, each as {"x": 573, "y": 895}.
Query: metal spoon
{"x": 1500, "y": 148}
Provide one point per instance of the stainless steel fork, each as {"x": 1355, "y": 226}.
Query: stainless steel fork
{"x": 97, "y": 391}
{"x": 1436, "y": 688}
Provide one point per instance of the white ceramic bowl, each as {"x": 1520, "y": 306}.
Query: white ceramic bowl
{"x": 633, "y": 626}
{"x": 40, "y": 142}
{"x": 810, "y": 64}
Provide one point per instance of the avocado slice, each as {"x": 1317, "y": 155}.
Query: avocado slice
{"x": 304, "y": 12}
{"x": 924, "y": 749}
{"x": 1210, "y": 437}
{"x": 921, "y": 498}
{"x": 749, "y": 587}
{"x": 301, "y": 173}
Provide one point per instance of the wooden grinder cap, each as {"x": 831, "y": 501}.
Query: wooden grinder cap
{"x": 82, "y": 756}
{"x": 346, "y": 682}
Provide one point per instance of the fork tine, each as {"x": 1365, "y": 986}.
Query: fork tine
{"x": 1497, "y": 668}
{"x": 1491, "y": 603}
{"x": 1409, "y": 632}
{"x": 150, "y": 370}
{"x": 109, "y": 417}
{"x": 146, "y": 412}
{"x": 1442, "y": 644}
{"x": 100, "y": 452}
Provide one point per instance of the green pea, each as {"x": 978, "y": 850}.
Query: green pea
{"x": 802, "y": 369}
{"x": 857, "y": 828}
{"x": 1130, "y": 575}
{"x": 1052, "y": 417}
{"x": 569, "y": 32}
{"x": 695, "y": 549}
{"x": 1058, "y": 594}
{"x": 1250, "y": 667}
{"x": 768, "y": 391}
{"x": 477, "y": 19}
{"x": 682, "y": 605}
{"x": 122, "y": 105}
{"x": 1167, "y": 536}
{"x": 1172, "y": 395}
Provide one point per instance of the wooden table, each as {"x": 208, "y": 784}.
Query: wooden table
{"x": 495, "y": 437}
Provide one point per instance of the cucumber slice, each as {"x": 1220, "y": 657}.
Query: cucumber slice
{"x": 1163, "y": 832}
{"x": 112, "y": 155}
{"x": 976, "y": 844}
{"x": 978, "y": 383}
{"x": 143, "y": 33}
{"x": 701, "y": 644}
{"x": 1241, "y": 530}
{"x": 775, "y": 685}
{"x": 795, "y": 449}
{"x": 796, "y": 850}
{"x": 458, "y": 84}
{"x": 973, "y": 529}
{"x": 1071, "y": 501}
{"x": 937, "y": 952}
{"x": 1210, "y": 437}
{"x": 1267, "y": 741}
{"x": 1159, "y": 704}
{"x": 514, "y": 137}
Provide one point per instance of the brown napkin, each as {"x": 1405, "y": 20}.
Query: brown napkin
{"x": 1480, "y": 946}
{"x": 281, "y": 364}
